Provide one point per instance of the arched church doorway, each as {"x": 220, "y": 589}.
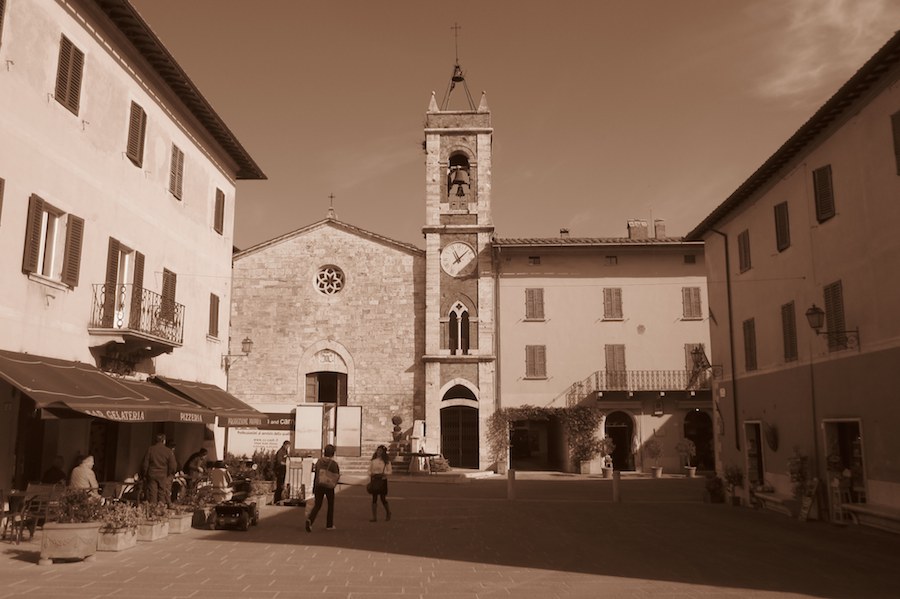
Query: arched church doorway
{"x": 330, "y": 389}
{"x": 620, "y": 428}
{"x": 699, "y": 429}
{"x": 459, "y": 428}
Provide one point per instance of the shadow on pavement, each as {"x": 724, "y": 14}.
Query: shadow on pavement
{"x": 661, "y": 531}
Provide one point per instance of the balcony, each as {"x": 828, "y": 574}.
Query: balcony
{"x": 634, "y": 380}
{"x": 137, "y": 317}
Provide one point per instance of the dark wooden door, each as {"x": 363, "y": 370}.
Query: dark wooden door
{"x": 459, "y": 436}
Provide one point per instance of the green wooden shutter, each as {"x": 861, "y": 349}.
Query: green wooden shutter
{"x": 110, "y": 291}
{"x": 137, "y": 292}
{"x": 137, "y": 128}
{"x": 72, "y": 258}
{"x": 213, "y": 315}
{"x": 68, "y": 75}
{"x": 219, "y": 220}
{"x": 176, "y": 172}
{"x": 824, "y": 192}
{"x": 33, "y": 234}
{"x": 782, "y": 227}
{"x": 312, "y": 388}
{"x": 535, "y": 361}
{"x": 612, "y": 303}
{"x": 744, "y": 250}
{"x": 167, "y": 303}
{"x": 834, "y": 316}
{"x": 750, "y": 344}
{"x": 534, "y": 304}
{"x": 789, "y": 331}
{"x": 895, "y": 127}
{"x": 2, "y": 182}
{"x": 2, "y": 12}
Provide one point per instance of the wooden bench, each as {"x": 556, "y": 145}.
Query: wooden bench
{"x": 777, "y": 502}
{"x": 876, "y": 516}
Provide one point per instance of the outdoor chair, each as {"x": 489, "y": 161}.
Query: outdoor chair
{"x": 19, "y": 519}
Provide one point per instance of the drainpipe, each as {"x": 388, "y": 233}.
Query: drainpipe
{"x": 734, "y": 391}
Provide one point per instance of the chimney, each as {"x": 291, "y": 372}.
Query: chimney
{"x": 659, "y": 228}
{"x": 563, "y": 232}
{"x": 637, "y": 229}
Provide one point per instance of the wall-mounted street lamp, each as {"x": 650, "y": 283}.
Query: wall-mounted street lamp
{"x": 246, "y": 347}
{"x": 842, "y": 339}
{"x": 701, "y": 366}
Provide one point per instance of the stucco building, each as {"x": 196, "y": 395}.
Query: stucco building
{"x": 117, "y": 192}
{"x": 352, "y": 330}
{"x": 809, "y": 235}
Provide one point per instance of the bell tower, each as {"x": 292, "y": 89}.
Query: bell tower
{"x": 460, "y": 356}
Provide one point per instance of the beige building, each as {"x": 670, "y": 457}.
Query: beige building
{"x": 117, "y": 191}
{"x": 353, "y": 331}
{"x": 810, "y": 235}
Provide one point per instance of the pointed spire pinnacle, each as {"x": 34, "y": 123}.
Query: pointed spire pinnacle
{"x": 482, "y": 105}
{"x": 432, "y": 105}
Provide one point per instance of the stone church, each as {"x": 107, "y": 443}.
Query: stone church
{"x": 356, "y": 335}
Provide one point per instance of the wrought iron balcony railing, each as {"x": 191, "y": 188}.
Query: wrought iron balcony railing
{"x": 633, "y": 380}
{"x": 127, "y": 308}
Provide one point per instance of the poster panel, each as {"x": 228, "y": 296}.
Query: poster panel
{"x": 308, "y": 429}
{"x": 348, "y": 434}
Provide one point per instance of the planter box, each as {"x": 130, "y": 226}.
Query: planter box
{"x": 152, "y": 531}
{"x": 68, "y": 541}
{"x": 119, "y": 540}
{"x": 180, "y": 522}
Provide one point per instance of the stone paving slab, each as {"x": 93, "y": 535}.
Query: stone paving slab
{"x": 560, "y": 538}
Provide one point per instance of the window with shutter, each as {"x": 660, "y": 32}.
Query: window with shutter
{"x": 782, "y": 227}
{"x": 2, "y": 12}
{"x": 534, "y": 304}
{"x": 167, "y": 301}
{"x": 612, "y": 303}
{"x": 750, "y": 344}
{"x": 137, "y": 292}
{"x": 219, "y": 216}
{"x": 176, "y": 172}
{"x": 616, "y": 374}
{"x": 68, "y": 75}
{"x": 895, "y": 128}
{"x": 53, "y": 241}
{"x": 690, "y": 300}
{"x": 789, "y": 331}
{"x": 137, "y": 128}
{"x": 834, "y": 316}
{"x": 213, "y": 315}
{"x": 535, "y": 362}
{"x": 824, "y": 193}
{"x": 744, "y": 250}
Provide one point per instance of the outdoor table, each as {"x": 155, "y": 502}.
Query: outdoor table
{"x": 425, "y": 461}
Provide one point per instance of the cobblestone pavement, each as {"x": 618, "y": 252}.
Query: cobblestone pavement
{"x": 561, "y": 537}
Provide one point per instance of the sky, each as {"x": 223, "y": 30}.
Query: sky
{"x": 603, "y": 110}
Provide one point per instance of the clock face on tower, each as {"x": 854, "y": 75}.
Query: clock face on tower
{"x": 458, "y": 259}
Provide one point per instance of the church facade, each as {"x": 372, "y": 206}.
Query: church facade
{"x": 357, "y": 336}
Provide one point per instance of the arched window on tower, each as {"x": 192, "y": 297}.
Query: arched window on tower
{"x": 459, "y": 330}
{"x": 458, "y": 182}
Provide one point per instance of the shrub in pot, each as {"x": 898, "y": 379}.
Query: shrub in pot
{"x": 118, "y": 528}
{"x": 154, "y": 522}
{"x": 654, "y": 450}
{"x": 688, "y": 451}
{"x": 734, "y": 478}
{"x": 74, "y": 534}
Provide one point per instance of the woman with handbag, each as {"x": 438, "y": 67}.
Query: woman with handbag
{"x": 379, "y": 468}
{"x": 327, "y": 474}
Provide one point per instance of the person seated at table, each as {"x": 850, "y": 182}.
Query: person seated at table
{"x": 83, "y": 476}
{"x": 55, "y": 473}
{"x": 221, "y": 480}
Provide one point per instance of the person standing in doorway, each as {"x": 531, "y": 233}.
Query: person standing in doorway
{"x": 159, "y": 464}
{"x": 379, "y": 468}
{"x": 281, "y": 457}
{"x": 327, "y": 474}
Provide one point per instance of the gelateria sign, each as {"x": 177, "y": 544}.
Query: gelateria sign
{"x": 138, "y": 415}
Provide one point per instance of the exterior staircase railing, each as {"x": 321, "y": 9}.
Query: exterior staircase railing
{"x": 631, "y": 380}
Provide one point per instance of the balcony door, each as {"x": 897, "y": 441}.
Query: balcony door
{"x": 122, "y": 293}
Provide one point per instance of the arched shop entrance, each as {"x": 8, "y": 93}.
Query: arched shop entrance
{"x": 620, "y": 428}
{"x": 699, "y": 429}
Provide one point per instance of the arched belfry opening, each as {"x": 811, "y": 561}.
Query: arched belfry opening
{"x": 458, "y": 334}
{"x": 459, "y": 182}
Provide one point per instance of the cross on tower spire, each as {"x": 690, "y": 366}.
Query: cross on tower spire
{"x": 457, "y": 76}
{"x": 331, "y": 213}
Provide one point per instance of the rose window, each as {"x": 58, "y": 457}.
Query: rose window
{"x": 329, "y": 280}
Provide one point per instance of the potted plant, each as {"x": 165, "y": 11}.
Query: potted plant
{"x": 688, "y": 451}
{"x": 498, "y": 439}
{"x": 154, "y": 522}
{"x": 181, "y": 515}
{"x": 118, "y": 528}
{"x": 74, "y": 534}
{"x": 715, "y": 489}
{"x": 580, "y": 424}
{"x": 607, "y": 446}
{"x": 653, "y": 450}
{"x": 734, "y": 478}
